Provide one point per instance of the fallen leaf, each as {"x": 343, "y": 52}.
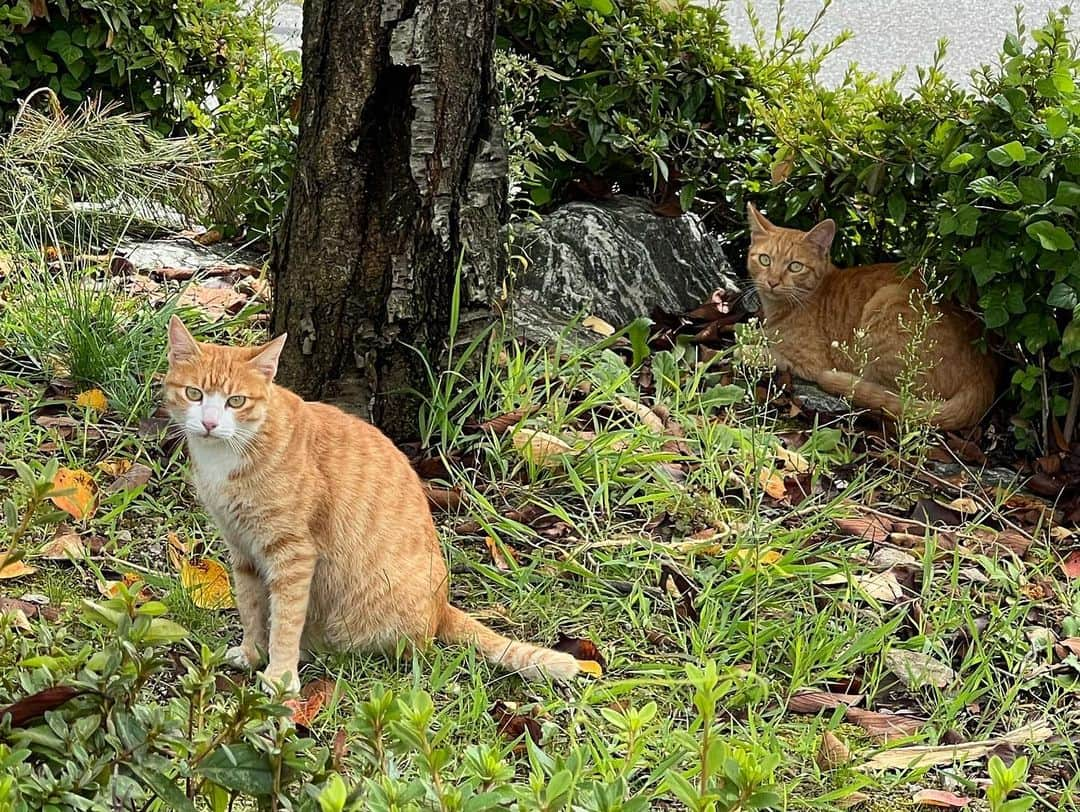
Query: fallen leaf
{"x": 996, "y": 543}
{"x": 442, "y": 499}
{"x": 930, "y": 756}
{"x": 312, "y": 698}
{"x": 504, "y": 422}
{"x": 772, "y": 483}
{"x": 581, "y": 649}
{"x": 879, "y": 586}
{"x": 792, "y": 460}
{"x": 915, "y": 669}
{"x": 504, "y": 561}
{"x": 14, "y": 569}
{"x": 36, "y": 705}
{"x": 940, "y": 798}
{"x": 79, "y": 500}
{"x": 111, "y": 589}
{"x": 647, "y": 416}
{"x": 832, "y": 753}
{"x": 64, "y": 547}
{"x": 1071, "y": 565}
{"x": 682, "y": 590}
{"x": 885, "y": 558}
{"x": 340, "y": 749}
{"x": 884, "y": 727}
{"x": 209, "y": 237}
{"x": 598, "y": 326}
{"x": 591, "y": 667}
{"x": 814, "y": 701}
{"x": 93, "y": 399}
{"x": 177, "y": 551}
{"x": 1068, "y": 645}
{"x": 746, "y": 558}
{"x": 964, "y": 505}
{"x": 852, "y": 799}
{"x": 541, "y": 448}
{"x": 214, "y": 302}
{"x": 929, "y": 512}
{"x": 207, "y": 583}
{"x": 135, "y": 476}
{"x": 870, "y": 528}
{"x": 513, "y": 725}
{"x": 115, "y": 468}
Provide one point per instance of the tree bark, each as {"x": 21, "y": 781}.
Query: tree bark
{"x": 400, "y": 174}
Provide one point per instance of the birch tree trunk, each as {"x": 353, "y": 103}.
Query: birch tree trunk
{"x": 400, "y": 173}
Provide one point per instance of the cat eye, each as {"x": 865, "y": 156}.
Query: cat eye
{"x": 193, "y": 394}
{"x": 796, "y": 267}
{"x": 236, "y": 401}
{"x": 764, "y": 260}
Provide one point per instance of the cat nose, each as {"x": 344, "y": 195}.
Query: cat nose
{"x": 774, "y": 284}
{"x": 209, "y": 424}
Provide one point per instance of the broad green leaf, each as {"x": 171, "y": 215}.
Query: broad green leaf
{"x": 1068, "y": 194}
{"x": 1007, "y": 154}
{"x": 164, "y": 788}
{"x": 1062, "y": 295}
{"x": 958, "y": 161}
{"x": 239, "y": 767}
{"x": 897, "y": 207}
{"x": 1056, "y": 124}
{"x": 1050, "y": 237}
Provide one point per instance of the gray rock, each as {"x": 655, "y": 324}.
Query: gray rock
{"x": 179, "y": 252}
{"x": 616, "y": 260}
{"x": 814, "y": 399}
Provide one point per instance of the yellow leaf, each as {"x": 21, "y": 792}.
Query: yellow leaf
{"x": 115, "y": 468}
{"x": 766, "y": 559}
{"x": 965, "y": 504}
{"x": 540, "y": 447}
{"x": 504, "y": 562}
{"x": 793, "y": 460}
{"x": 16, "y": 569}
{"x": 647, "y": 416}
{"x": 207, "y": 583}
{"x": 590, "y": 667}
{"x": 177, "y": 552}
{"x": 772, "y": 483}
{"x": 78, "y": 501}
{"x": 598, "y": 326}
{"x": 93, "y": 399}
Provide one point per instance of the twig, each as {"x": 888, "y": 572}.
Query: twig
{"x": 1074, "y": 409}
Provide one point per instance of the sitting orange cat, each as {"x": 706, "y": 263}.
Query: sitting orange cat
{"x": 329, "y": 530}
{"x": 814, "y": 310}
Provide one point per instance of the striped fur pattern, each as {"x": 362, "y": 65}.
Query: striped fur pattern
{"x": 328, "y": 527}
{"x": 819, "y": 316}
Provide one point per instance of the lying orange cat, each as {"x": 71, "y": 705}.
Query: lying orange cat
{"x": 328, "y": 527}
{"x": 814, "y": 311}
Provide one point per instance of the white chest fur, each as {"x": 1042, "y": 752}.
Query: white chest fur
{"x": 214, "y": 463}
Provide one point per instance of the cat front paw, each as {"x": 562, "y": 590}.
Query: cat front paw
{"x": 242, "y": 657}
{"x": 273, "y": 677}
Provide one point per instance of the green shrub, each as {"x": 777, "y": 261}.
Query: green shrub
{"x": 252, "y": 134}
{"x": 153, "y": 56}
{"x": 979, "y": 190}
{"x": 637, "y": 95}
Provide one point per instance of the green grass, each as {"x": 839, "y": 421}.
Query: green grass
{"x": 589, "y": 537}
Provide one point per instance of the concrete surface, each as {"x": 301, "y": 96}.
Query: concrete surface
{"x": 889, "y": 34}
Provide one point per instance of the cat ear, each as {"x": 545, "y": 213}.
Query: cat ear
{"x": 182, "y": 345}
{"x": 267, "y": 359}
{"x": 758, "y": 223}
{"x": 821, "y": 235}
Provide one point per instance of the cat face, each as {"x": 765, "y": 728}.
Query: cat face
{"x": 787, "y": 264}
{"x": 218, "y": 394}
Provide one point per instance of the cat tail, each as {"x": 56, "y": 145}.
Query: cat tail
{"x": 962, "y": 410}
{"x": 531, "y": 662}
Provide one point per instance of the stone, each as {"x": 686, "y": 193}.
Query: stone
{"x": 616, "y": 260}
{"x": 813, "y": 399}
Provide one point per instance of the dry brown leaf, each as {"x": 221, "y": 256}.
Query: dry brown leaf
{"x": 79, "y": 500}
{"x": 852, "y": 799}
{"x": 443, "y": 499}
{"x": 1069, "y": 645}
{"x": 940, "y": 798}
{"x": 598, "y": 326}
{"x": 135, "y": 476}
{"x": 93, "y": 399}
{"x": 916, "y": 670}
{"x": 111, "y": 589}
{"x": 312, "y": 698}
{"x": 115, "y": 468}
{"x": 879, "y": 586}
{"x": 964, "y": 505}
{"x": 1071, "y": 565}
{"x": 647, "y": 416}
{"x": 582, "y": 650}
{"x": 504, "y": 562}
{"x": 793, "y": 461}
{"x": 207, "y": 583}
{"x": 65, "y": 546}
{"x": 541, "y": 448}
{"x": 177, "y": 551}
{"x": 504, "y": 422}
{"x": 772, "y": 483}
{"x": 832, "y": 753}
{"x": 512, "y": 725}
{"x": 213, "y": 302}
{"x": 814, "y": 701}
{"x": 884, "y": 727}
{"x": 906, "y": 758}
{"x": 870, "y": 528}
{"x": 781, "y": 170}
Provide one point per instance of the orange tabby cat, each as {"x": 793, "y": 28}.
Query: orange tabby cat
{"x": 813, "y": 311}
{"x": 329, "y": 530}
